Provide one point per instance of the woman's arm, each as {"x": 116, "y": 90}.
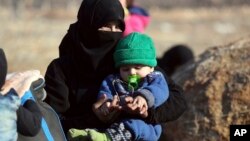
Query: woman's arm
{"x": 171, "y": 109}
{"x": 56, "y": 88}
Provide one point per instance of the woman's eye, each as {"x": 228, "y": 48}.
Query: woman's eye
{"x": 104, "y": 28}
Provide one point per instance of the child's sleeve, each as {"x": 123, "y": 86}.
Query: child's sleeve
{"x": 106, "y": 87}
{"x": 156, "y": 91}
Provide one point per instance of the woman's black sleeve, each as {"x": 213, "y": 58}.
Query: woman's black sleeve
{"x": 29, "y": 119}
{"x": 171, "y": 109}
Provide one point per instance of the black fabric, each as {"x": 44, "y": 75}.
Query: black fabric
{"x": 71, "y": 98}
{"x": 173, "y": 108}
{"x": 95, "y": 13}
{"x": 3, "y": 68}
{"x": 73, "y": 80}
{"x": 38, "y": 109}
{"x": 29, "y": 119}
{"x": 175, "y": 57}
{"x": 29, "y": 115}
{"x": 86, "y": 58}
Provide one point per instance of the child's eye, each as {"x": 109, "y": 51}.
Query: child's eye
{"x": 138, "y": 67}
{"x": 125, "y": 69}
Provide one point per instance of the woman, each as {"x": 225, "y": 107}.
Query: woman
{"x": 85, "y": 59}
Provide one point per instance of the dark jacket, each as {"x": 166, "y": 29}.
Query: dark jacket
{"x": 29, "y": 119}
{"x": 85, "y": 59}
{"x": 73, "y": 98}
{"x": 153, "y": 88}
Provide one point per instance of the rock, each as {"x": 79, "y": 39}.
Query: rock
{"x": 217, "y": 88}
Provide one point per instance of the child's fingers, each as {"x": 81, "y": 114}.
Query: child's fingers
{"x": 144, "y": 109}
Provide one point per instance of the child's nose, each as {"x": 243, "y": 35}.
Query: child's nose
{"x": 132, "y": 71}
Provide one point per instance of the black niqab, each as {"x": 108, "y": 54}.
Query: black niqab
{"x": 91, "y": 50}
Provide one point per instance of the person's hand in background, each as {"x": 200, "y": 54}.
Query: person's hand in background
{"x": 20, "y": 81}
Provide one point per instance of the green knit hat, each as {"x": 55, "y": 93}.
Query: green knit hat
{"x": 135, "y": 48}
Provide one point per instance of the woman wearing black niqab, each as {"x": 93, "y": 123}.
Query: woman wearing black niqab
{"x": 85, "y": 59}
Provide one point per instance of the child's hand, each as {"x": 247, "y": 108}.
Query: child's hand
{"x": 136, "y": 106}
{"x": 142, "y": 105}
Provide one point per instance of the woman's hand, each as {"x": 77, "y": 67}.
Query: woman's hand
{"x": 113, "y": 106}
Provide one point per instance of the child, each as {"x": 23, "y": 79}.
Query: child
{"x": 137, "y": 84}
{"x": 136, "y": 19}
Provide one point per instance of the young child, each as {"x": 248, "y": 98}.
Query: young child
{"x": 138, "y": 84}
{"x": 136, "y": 19}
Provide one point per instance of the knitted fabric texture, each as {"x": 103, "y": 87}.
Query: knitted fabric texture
{"x": 118, "y": 132}
{"x": 136, "y": 48}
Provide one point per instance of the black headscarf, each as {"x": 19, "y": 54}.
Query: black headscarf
{"x": 85, "y": 59}
{"x": 88, "y": 47}
{"x": 3, "y": 68}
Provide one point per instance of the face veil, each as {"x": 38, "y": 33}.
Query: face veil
{"x": 94, "y": 14}
{"x": 90, "y": 50}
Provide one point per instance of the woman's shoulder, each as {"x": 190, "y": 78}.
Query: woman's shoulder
{"x": 60, "y": 62}
{"x": 58, "y": 67}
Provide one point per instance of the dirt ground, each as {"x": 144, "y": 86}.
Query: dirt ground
{"x": 31, "y": 41}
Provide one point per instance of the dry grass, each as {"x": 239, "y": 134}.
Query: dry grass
{"x": 31, "y": 41}
{"x": 199, "y": 28}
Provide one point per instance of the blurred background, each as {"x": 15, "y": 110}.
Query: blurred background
{"x": 31, "y": 30}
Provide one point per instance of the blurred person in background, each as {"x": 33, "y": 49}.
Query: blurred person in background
{"x": 136, "y": 18}
{"x": 175, "y": 57}
{"x": 21, "y": 113}
{"x": 25, "y": 115}
{"x": 8, "y": 106}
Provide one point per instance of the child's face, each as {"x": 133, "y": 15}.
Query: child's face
{"x": 128, "y": 70}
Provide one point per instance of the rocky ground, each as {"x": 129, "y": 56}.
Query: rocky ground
{"x": 32, "y": 40}
{"x": 217, "y": 89}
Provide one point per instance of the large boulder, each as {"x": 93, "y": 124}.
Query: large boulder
{"x": 217, "y": 88}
